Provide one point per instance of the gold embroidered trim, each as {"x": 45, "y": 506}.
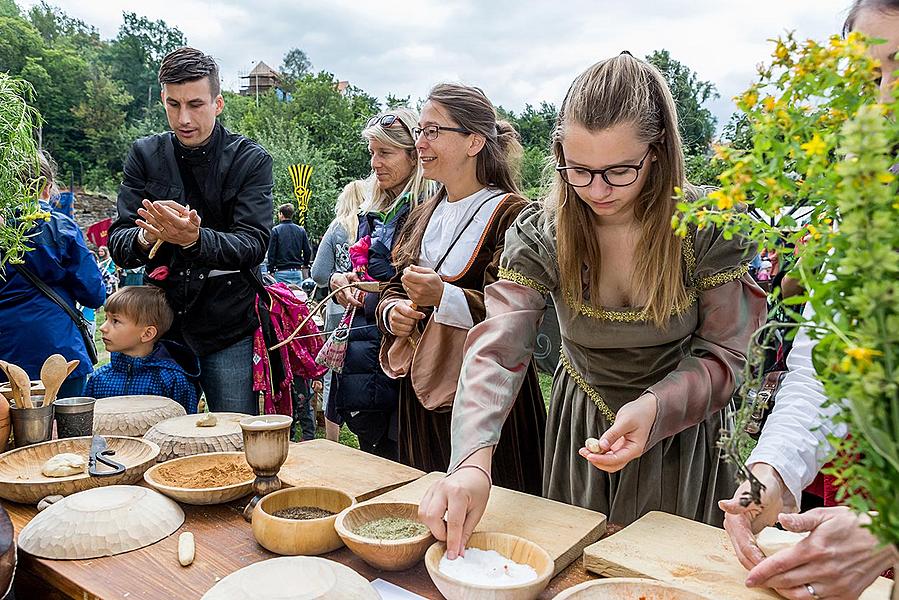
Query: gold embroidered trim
{"x": 587, "y": 389}
{"x": 516, "y": 277}
{"x": 629, "y": 316}
{"x": 707, "y": 283}
{"x": 688, "y": 254}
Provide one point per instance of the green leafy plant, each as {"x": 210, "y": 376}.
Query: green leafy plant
{"x": 820, "y": 139}
{"x": 20, "y": 180}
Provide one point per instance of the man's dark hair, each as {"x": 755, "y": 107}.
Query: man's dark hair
{"x": 189, "y": 64}
{"x": 286, "y": 211}
{"x": 859, "y": 5}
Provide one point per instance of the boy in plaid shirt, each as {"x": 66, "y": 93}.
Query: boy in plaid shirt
{"x": 140, "y": 363}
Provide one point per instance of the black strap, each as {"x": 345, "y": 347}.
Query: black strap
{"x": 461, "y": 231}
{"x": 80, "y": 322}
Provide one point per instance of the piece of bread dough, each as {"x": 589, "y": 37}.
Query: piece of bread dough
{"x": 772, "y": 540}
{"x": 207, "y": 420}
{"x": 63, "y": 465}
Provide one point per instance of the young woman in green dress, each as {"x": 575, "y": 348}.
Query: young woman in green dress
{"x": 654, "y": 327}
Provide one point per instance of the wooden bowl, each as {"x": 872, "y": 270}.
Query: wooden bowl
{"x": 180, "y": 436}
{"x": 627, "y": 588}
{"x": 387, "y": 555}
{"x": 512, "y": 547}
{"x": 198, "y": 462}
{"x": 132, "y": 415}
{"x": 21, "y": 479}
{"x": 292, "y": 577}
{"x": 293, "y": 536}
{"x": 101, "y": 522}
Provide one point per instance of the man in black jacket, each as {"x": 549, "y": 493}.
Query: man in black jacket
{"x": 205, "y": 195}
{"x": 289, "y": 252}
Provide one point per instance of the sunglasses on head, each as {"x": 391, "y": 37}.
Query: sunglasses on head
{"x": 387, "y": 121}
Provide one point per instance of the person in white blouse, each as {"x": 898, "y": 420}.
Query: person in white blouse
{"x": 839, "y": 558}
{"x": 448, "y": 253}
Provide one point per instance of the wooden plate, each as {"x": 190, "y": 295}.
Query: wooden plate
{"x": 21, "y": 479}
{"x": 133, "y": 415}
{"x": 288, "y": 577}
{"x": 197, "y": 462}
{"x": 627, "y": 588}
{"x": 101, "y": 522}
{"x": 180, "y": 436}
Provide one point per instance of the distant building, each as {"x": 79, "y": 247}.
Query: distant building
{"x": 260, "y": 80}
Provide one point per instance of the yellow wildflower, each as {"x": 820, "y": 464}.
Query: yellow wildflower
{"x": 781, "y": 52}
{"x": 769, "y": 103}
{"x": 721, "y": 151}
{"x": 723, "y": 201}
{"x": 814, "y": 146}
{"x": 749, "y": 99}
{"x": 886, "y": 178}
{"x": 864, "y": 356}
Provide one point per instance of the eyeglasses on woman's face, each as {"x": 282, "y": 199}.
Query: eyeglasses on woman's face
{"x": 615, "y": 176}
{"x": 432, "y": 132}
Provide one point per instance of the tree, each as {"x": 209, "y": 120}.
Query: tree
{"x": 295, "y": 65}
{"x": 8, "y": 8}
{"x": 101, "y": 116}
{"x": 56, "y": 27}
{"x": 135, "y": 55}
{"x": 695, "y": 122}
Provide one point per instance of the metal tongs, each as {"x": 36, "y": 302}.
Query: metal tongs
{"x": 99, "y": 452}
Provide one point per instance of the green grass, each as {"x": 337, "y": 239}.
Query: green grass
{"x": 102, "y": 354}
{"x": 546, "y": 386}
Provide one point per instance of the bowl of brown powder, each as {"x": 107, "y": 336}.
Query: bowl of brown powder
{"x": 211, "y": 478}
{"x": 300, "y": 520}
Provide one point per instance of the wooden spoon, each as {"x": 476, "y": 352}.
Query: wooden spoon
{"x": 18, "y": 374}
{"x": 12, "y": 384}
{"x": 53, "y": 373}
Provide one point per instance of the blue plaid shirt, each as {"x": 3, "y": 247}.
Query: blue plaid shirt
{"x": 156, "y": 374}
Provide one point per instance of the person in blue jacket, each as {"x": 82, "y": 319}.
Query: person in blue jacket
{"x": 137, "y": 316}
{"x": 32, "y": 326}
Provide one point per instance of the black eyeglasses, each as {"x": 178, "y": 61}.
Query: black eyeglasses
{"x": 432, "y": 132}
{"x": 387, "y": 121}
{"x": 615, "y": 176}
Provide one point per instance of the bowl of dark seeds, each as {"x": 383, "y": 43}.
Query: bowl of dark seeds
{"x": 300, "y": 520}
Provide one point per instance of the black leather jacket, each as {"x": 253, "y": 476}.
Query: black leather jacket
{"x": 211, "y": 312}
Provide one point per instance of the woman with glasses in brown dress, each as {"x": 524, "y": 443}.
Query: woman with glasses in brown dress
{"x": 654, "y": 326}
{"x": 448, "y": 252}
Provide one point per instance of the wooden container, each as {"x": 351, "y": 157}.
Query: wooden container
{"x": 512, "y": 547}
{"x": 627, "y": 589}
{"x": 101, "y": 522}
{"x": 296, "y": 536}
{"x": 387, "y": 555}
{"x": 21, "y": 479}
{"x": 306, "y": 577}
{"x": 132, "y": 415}
{"x": 198, "y": 462}
{"x": 180, "y": 436}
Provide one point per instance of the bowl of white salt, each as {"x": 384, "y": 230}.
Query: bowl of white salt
{"x": 496, "y": 566}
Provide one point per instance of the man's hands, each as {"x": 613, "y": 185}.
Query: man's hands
{"x": 169, "y": 221}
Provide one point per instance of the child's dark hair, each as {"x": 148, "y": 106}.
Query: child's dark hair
{"x": 145, "y": 305}
{"x": 189, "y": 64}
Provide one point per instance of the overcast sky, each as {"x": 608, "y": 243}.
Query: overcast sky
{"x": 518, "y": 52}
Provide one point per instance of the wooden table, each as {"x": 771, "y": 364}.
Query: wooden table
{"x": 224, "y": 542}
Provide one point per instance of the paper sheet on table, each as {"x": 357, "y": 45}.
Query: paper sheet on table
{"x": 389, "y": 591}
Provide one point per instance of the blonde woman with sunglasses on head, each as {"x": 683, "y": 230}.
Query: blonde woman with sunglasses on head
{"x": 654, "y": 327}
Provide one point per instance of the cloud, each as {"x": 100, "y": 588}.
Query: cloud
{"x": 518, "y": 52}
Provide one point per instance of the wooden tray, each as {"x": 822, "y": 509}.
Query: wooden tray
{"x": 560, "y": 529}
{"x": 132, "y": 415}
{"x": 180, "y": 436}
{"x": 21, "y": 479}
{"x": 695, "y": 556}
{"x": 329, "y": 464}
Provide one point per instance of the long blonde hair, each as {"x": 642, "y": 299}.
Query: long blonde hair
{"x": 398, "y": 135}
{"x": 623, "y": 90}
{"x": 350, "y": 200}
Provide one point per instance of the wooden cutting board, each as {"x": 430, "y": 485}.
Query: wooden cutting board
{"x": 560, "y": 529}
{"x": 360, "y": 474}
{"x": 694, "y": 555}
